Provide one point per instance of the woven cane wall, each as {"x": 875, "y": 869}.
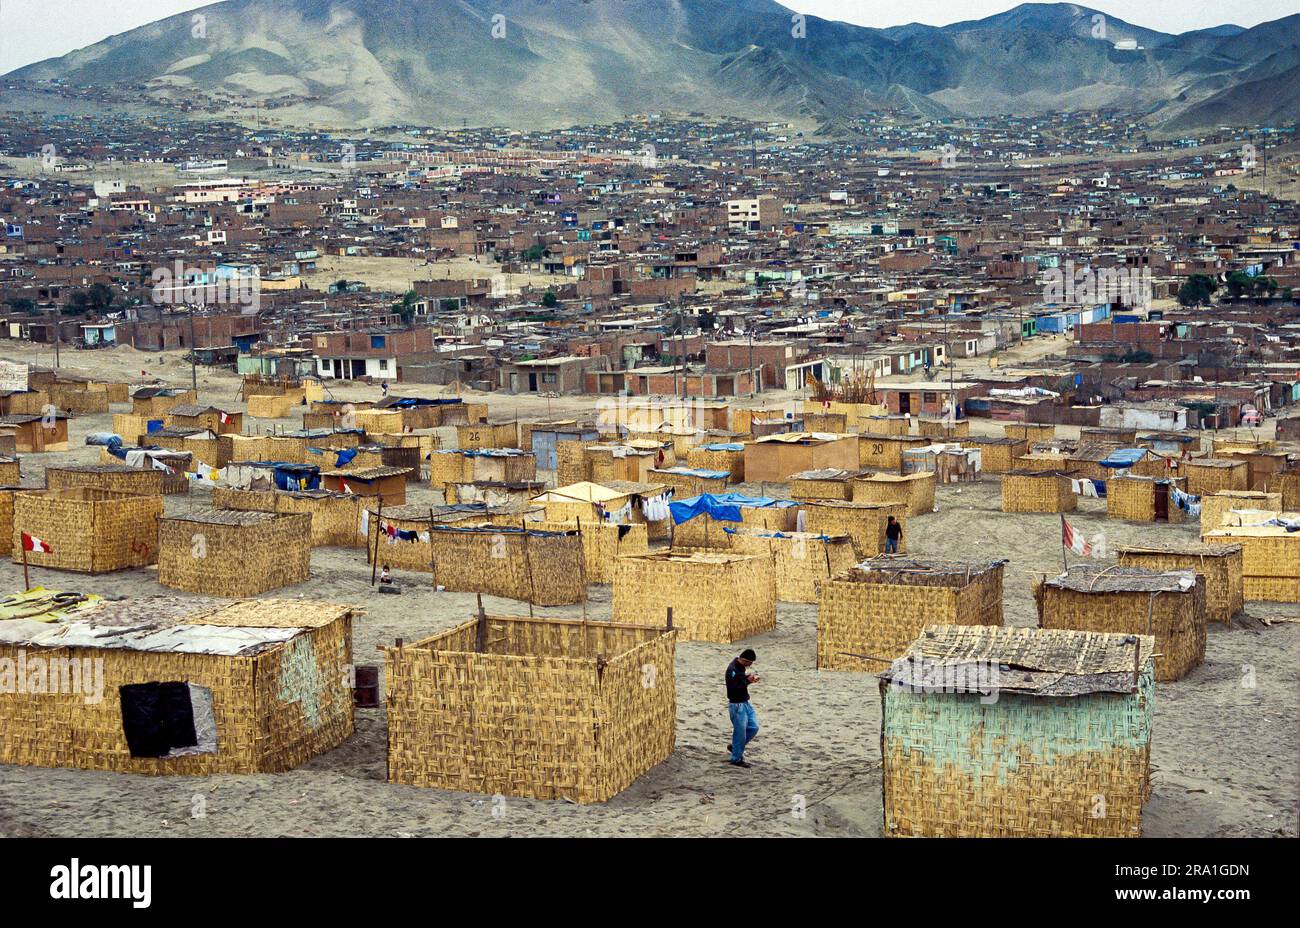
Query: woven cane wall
{"x": 714, "y": 597}
{"x": 1175, "y": 619}
{"x": 555, "y": 723}
{"x": 123, "y": 480}
{"x": 234, "y": 560}
{"x": 335, "y": 517}
{"x": 602, "y": 543}
{"x": 130, "y": 427}
{"x": 7, "y": 520}
{"x": 940, "y": 428}
{"x": 1288, "y": 485}
{"x": 705, "y": 532}
{"x": 731, "y": 461}
{"x": 1204, "y": 478}
{"x": 1222, "y": 572}
{"x": 998, "y": 458}
{"x": 571, "y": 464}
{"x": 273, "y": 711}
{"x": 821, "y": 489}
{"x": 1215, "y": 508}
{"x": 864, "y": 523}
{"x": 10, "y": 473}
{"x": 1270, "y": 561}
{"x": 1029, "y": 432}
{"x": 1023, "y": 766}
{"x": 448, "y": 467}
{"x": 89, "y": 529}
{"x": 262, "y": 406}
{"x": 871, "y": 616}
{"x": 802, "y": 562}
{"x": 1037, "y": 493}
{"x": 916, "y": 492}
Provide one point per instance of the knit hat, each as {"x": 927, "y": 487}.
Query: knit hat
{"x": 748, "y": 654}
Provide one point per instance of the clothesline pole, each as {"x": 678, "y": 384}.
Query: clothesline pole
{"x": 374, "y": 562}
{"x": 27, "y": 583}
{"x": 1065, "y": 564}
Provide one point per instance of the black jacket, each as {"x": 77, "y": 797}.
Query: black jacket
{"x": 737, "y": 682}
{"x": 894, "y": 530}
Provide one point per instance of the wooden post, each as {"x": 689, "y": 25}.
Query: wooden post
{"x": 1064, "y": 562}
{"x": 480, "y": 634}
{"x": 27, "y": 584}
{"x": 528, "y": 566}
{"x": 374, "y": 563}
{"x": 433, "y": 564}
{"x": 670, "y": 618}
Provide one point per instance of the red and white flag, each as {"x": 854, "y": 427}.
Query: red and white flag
{"x": 225, "y": 418}
{"x": 35, "y": 545}
{"x": 1074, "y": 540}
{"x": 346, "y": 488}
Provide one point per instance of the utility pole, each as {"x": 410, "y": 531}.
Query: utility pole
{"x": 58, "y": 333}
{"x": 752, "y": 385}
{"x": 194, "y": 370}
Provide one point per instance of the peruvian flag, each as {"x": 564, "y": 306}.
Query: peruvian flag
{"x": 346, "y": 488}
{"x": 225, "y": 418}
{"x": 35, "y": 545}
{"x": 1074, "y": 540}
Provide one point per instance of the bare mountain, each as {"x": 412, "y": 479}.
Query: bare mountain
{"x": 547, "y": 62}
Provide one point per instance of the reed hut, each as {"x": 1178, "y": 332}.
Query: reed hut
{"x": 632, "y": 461}
{"x": 1261, "y": 464}
{"x": 266, "y": 406}
{"x": 119, "y": 477}
{"x": 885, "y": 425}
{"x": 87, "y": 529}
{"x": 7, "y": 519}
{"x": 1220, "y": 565}
{"x": 1207, "y": 476}
{"x": 389, "y": 483}
{"x": 487, "y": 435}
{"x": 713, "y": 596}
{"x": 831, "y": 483}
{"x": 686, "y": 482}
{"x": 157, "y": 402}
{"x": 997, "y": 455}
{"x": 78, "y": 398}
{"x": 1270, "y": 560}
{"x": 1017, "y": 732}
{"x": 35, "y": 433}
{"x": 864, "y": 523}
{"x": 943, "y": 428}
{"x": 539, "y": 708}
{"x": 914, "y": 491}
{"x": 603, "y": 543}
{"x": 499, "y": 465}
{"x": 708, "y": 528}
{"x": 1287, "y": 483}
{"x": 494, "y": 493}
{"x": 801, "y": 561}
{"x": 1115, "y": 437}
{"x": 885, "y": 452}
{"x": 1038, "y": 491}
{"x": 868, "y": 615}
{"x": 250, "y": 687}
{"x": 8, "y": 447}
{"x": 1169, "y": 605}
{"x": 773, "y": 458}
{"x": 1029, "y": 432}
{"x": 196, "y": 418}
{"x": 1144, "y": 499}
{"x": 231, "y": 553}
{"x": 10, "y": 472}
{"x": 719, "y": 456}
{"x": 1215, "y": 507}
{"x": 822, "y": 421}
{"x": 16, "y": 402}
{"x": 335, "y": 517}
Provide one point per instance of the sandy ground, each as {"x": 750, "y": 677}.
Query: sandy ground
{"x": 1224, "y": 755}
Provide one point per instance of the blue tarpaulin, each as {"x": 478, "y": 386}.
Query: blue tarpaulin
{"x": 1124, "y": 457}
{"x": 725, "y": 446}
{"x": 345, "y": 456}
{"x": 722, "y": 507}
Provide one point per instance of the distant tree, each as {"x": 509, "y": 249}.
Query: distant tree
{"x": 1242, "y": 284}
{"x": 341, "y": 286}
{"x": 550, "y": 300}
{"x": 533, "y": 254}
{"x": 405, "y": 308}
{"x": 25, "y": 306}
{"x": 97, "y": 299}
{"x": 1197, "y": 290}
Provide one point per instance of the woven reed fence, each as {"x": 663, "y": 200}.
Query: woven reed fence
{"x": 868, "y": 615}
{"x": 157, "y": 407}
{"x": 571, "y": 463}
{"x": 864, "y": 523}
{"x": 1220, "y": 565}
{"x": 88, "y": 529}
{"x": 915, "y": 491}
{"x": 1068, "y": 732}
{"x": 836, "y": 488}
{"x": 1215, "y": 508}
{"x": 335, "y": 517}
{"x": 10, "y": 472}
{"x": 885, "y": 452}
{"x": 487, "y": 435}
{"x": 7, "y": 519}
{"x": 245, "y": 448}
{"x": 801, "y": 561}
{"x": 545, "y": 709}
{"x": 545, "y": 568}
{"x": 714, "y": 596}
{"x": 1037, "y": 491}
{"x": 602, "y": 543}
{"x": 233, "y": 553}
{"x": 997, "y": 455}
{"x": 208, "y": 451}
{"x": 130, "y": 427}
{"x": 73, "y": 398}
{"x": 1270, "y": 561}
{"x": 684, "y": 486}
{"x": 733, "y": 462}
{"x": 706, "y": 532}
{"x": 118, "y": 477}
{"x": 1131, "y": 601}
{"x": 274, "y": 709}
{"x": 1214, "y": 476}
{"x": 1134, "y": 499}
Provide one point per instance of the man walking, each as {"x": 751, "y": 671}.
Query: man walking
{"x": 893, "y": 534}
{"x": 744, "y": 723}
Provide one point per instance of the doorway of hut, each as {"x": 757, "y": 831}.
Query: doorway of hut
{"x": 1162, "y": 502}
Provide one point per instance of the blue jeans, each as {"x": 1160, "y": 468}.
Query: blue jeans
{"x": 891, "y": 545}
{"x": 744, "y": 726}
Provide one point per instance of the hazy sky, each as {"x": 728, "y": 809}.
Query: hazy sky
{"x": 32, "y": 30}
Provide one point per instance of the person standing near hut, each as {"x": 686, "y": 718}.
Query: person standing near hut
{"x": 893, "y": 535}
{"x": 744, "y": 723}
